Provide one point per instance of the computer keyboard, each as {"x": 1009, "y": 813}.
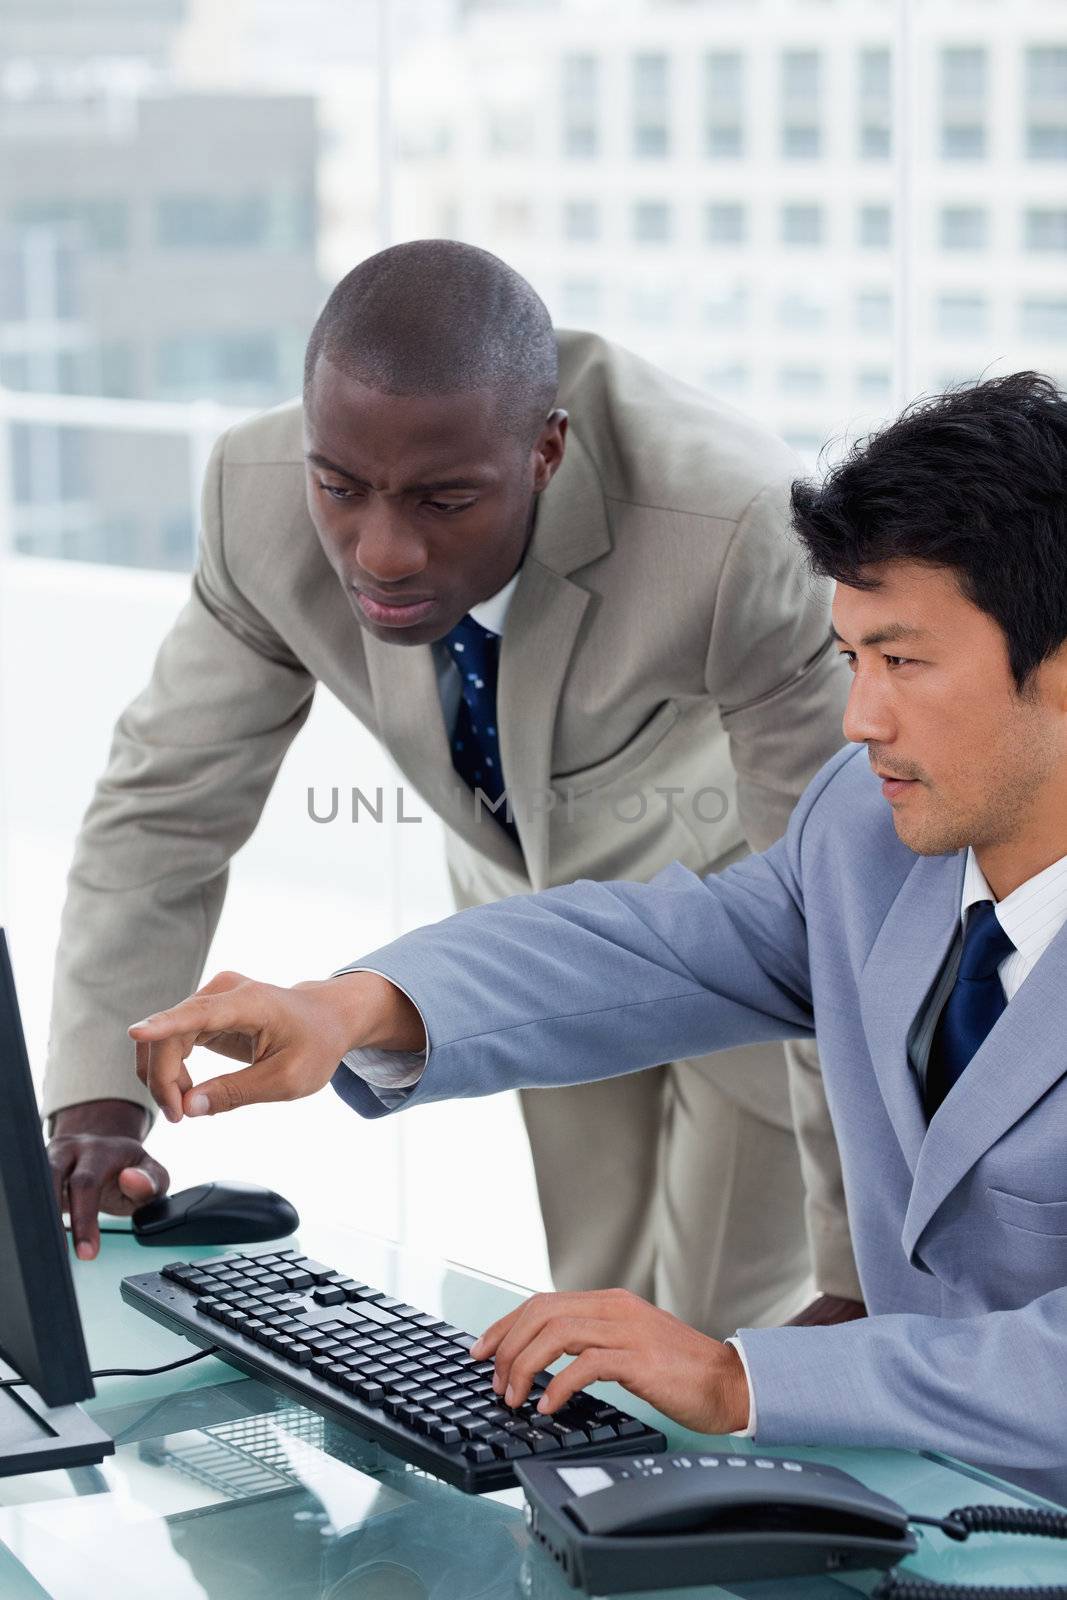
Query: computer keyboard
{"x": 393, "y": 1373}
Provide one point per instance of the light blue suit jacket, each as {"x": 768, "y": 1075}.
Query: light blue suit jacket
{"x": 960, "y": 1227}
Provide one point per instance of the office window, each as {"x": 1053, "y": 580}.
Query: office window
{"x": 961, "y": 316}
{"x": 964, "y": 228}
{"x": 510, "y": 133}
{"x": 801, "y": 85}
{"x": 802, "y": 225}
{"x": 581, "y": 301}
{"x": 874, "y": 228}
{"x": 725, "y": 223}
{"x": 652, "y": 222}
{"x": 274, "y": 220}
{"x": 1042, "y": 317}
{"x": 512, "y": 217}
{"x": 651, "y": 99}
{"x": 801, "y": 313}
{"x": 727, "y": 307}
{"x": 724, "y": 93}
{"x": 1046, "y": 103}
{"x": 1046, "y": 229}
{"x": 581, "y": 221}
{"x": 798, "y": 382}
{"x": 580, "y": 94}
{"x": 104, "y": 224}
{"x": 874, "y": 92}
{"x": 652, "y": 305}
{"x": 874, "y": 311}
{"x": 728, "y": 378}
{"x": 203, "y": 364}
{"x": 874, "y": 383}
{"x": 963, "y": 103}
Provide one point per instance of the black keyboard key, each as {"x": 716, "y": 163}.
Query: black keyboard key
{"x": 448, "y": 1433}
{"x": 371, "y": 1393}
{"x": 328, "y": 1295}
{"x": 210, "y": 1307}
{"x": 569, "y": 1438}
{"x": 315, "y": 1269}
{"x": 541, "y": 1442}
{"x": 476, "y": 1428}
{"x": 602, "y": 1430}
{"x": 408, "y": 1413}
{"x": 479, "y": 1452}
{"x": 513, "y": 1449}
{"x": 629, "y": 1427}
{"x": 300, "y": 1354}
{"x": 295, "y": 1279}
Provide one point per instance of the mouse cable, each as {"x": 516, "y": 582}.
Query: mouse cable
{"x": 127, "y": 1372}
{"x": 960, "y": 1524}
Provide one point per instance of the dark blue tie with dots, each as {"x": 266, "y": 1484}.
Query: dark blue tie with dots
{"x": 475, "y": 743}
{"x": 974, "y": 1005}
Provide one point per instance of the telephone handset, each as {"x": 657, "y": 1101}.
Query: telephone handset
{"x": 669, "y": 1521}
{"x": 672, "y": 1521}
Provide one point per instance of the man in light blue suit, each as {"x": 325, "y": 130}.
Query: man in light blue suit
{"x": 913, "y": 918}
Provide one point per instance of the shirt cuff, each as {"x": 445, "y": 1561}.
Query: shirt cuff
{"x": 388, "y": 1070}
{"x": 749, "y": 1431}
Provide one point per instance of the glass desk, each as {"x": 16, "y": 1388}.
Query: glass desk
{"x": 222, "y": 1490}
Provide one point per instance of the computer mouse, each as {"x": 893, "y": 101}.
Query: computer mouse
{"x": 215, "y": 1213}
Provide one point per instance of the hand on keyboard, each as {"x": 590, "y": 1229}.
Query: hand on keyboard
{"x": 618, "y": 1336}
{"x": 291, "y": 1040}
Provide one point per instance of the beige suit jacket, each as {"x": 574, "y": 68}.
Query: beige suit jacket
{"x": 663, "y": 636}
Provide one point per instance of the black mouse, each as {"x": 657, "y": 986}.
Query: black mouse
{"x": 215, "y": 1213}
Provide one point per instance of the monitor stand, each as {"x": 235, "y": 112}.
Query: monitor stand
{"x": 38, "y": 1438}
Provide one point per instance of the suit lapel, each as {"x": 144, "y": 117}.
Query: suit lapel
{"x": 897, "y": 977}
{"x": 544, "y": 618}
{"x": 1019, "y": 1061}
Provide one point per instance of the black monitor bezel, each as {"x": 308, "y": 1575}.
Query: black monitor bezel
{"x": 40, "y": 1327}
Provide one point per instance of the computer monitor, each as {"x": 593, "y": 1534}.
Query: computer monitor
{"x": 40, "y": 1329}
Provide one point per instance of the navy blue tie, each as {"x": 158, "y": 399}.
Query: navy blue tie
{"x": 475, "y": 743}
{"x": 976, "y": 1001}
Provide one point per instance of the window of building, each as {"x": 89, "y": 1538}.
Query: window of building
{"x": 580, "y": 94}
{"x": 724, "y": 92}
{"x": 651, "y": 101}
{"x": 801, "y": 85}
{"x": 961, "y": 316}
{"x": 964, "y": 73}
{"x": 1046, "y": 103}
{"x": 801, "y": 313}
{"x": 725, "y": 223}
{"x": 512, "y": 217}
{"x": 874, "y": 231}
{"x": 802, "y": 224}
{"x": 1045, "y": 229}
{"x": 1042, "y": 317}
{"x": 727, "y": 307}
{"x": 727, "y": 378}
{"x": 104, "y": 224}
{"x": 652, "y": 304}
{"x": 875, "y": 96}
{"x": 581, "y": 221}
{"x": 652, "y": 222}
{"x": 211, "y": 222}
{"x": 581, "y": 301}
{"x": 874, "y": 383}
{"x": 801, "y": 381}
{"x": 964, "y": 228}
{"x": 874, "y": 311}
{"x": 205, "y": 364}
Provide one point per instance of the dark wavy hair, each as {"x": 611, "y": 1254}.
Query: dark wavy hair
{"x": 974, "y": 480}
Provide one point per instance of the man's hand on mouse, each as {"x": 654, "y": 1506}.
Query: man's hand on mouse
{"x": 99, "y": 1163}
{"x": 615, "y": 1335}
{"x": 291, "y": 1040}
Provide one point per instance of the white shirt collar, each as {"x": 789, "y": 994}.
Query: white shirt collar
{"x": 1032, "y": 914}
{"x": 492, "y": 613}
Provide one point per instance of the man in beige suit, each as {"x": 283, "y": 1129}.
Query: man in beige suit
{"x": 615, "y": 547}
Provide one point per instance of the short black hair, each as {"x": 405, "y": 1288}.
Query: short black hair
{"x": 438, "y": 317}
{"x": 974, "y": 480}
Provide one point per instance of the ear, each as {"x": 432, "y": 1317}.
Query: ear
{"x": 549, "y": 449}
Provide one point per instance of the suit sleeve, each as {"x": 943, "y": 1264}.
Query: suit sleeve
{"x": 598, "y": 979}
{"x": 781, "y": 688}
{"x": 191, "y": 763}
{"x": 990, "y": 1388}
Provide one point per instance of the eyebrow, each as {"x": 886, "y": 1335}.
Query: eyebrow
{"x": 317, "y": 460}
{"x": 891, "y": 634}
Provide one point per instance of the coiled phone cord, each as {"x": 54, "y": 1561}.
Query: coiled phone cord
{"x": 960, "y": 1524}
